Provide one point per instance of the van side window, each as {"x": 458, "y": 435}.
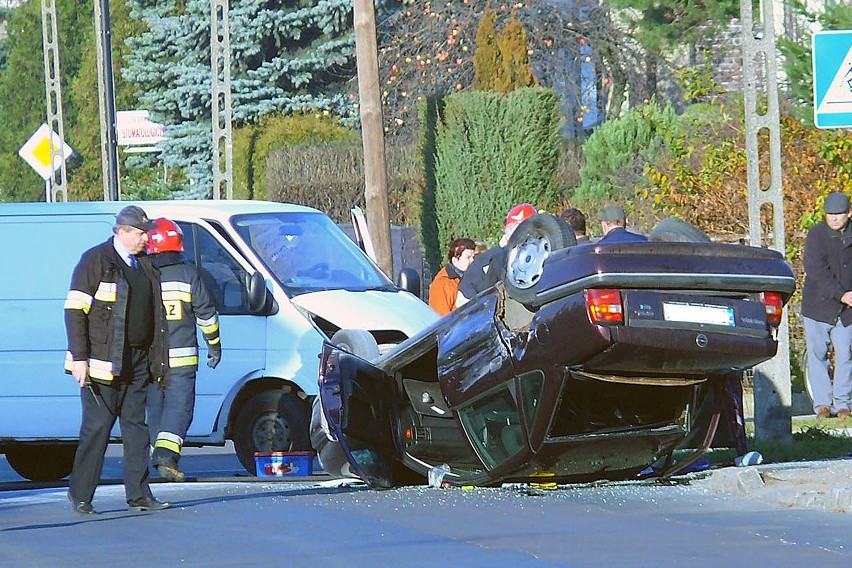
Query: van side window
{"x": 223, "y": 276}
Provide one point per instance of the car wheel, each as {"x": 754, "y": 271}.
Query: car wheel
{"x": 271, "y": 421}
{"x": 678, "y": 231}
{"x": 359, "y": 342}
{"x": 38, "y": 462}
{"x": 529, "y": 246}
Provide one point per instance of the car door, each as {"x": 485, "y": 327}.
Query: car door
{"x": 357, "y": 404}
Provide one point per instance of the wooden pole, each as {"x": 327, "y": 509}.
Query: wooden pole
{"x": 372, "y": 133}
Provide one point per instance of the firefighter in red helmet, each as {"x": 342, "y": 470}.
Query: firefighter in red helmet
{"x": 170, "y": 402}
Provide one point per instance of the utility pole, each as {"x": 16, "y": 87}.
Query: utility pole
{"x": 106, "y": 98}
{"x": 372, "y": 133}
{"x": 53, "y": 92}
{"x": 220, "y": 63}
{"x": 772, "y": 393}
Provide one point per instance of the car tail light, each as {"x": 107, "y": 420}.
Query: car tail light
{"x": 604, "y": 306}
{"x": 774, "y": 307}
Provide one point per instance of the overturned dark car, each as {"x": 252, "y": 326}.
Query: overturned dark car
{"x": 585, "y": 362}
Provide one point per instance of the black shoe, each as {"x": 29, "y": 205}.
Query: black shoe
{"x": 146, "y": 504}
{"x": 170, "y": 473}
{"x": 81, "y": 507}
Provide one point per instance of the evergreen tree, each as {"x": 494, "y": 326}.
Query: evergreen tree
{"x": 663, "y": 26}
{"x": 486, "y": 61}
{"x": 282, "y": 55}
{"x": 83, "y": 126}
{"x": 514, "y": 58}
{"x": 22, "y": 94}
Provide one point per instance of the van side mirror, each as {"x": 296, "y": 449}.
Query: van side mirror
{"x": 257, "y": 294}
{"x": 409, "y": 280}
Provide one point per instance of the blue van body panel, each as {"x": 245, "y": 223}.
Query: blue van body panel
{"x": 40, "y": 402}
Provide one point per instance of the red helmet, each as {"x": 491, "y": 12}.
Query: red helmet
{"x": 519, "y": 213}
{"x": 165, "y": 237}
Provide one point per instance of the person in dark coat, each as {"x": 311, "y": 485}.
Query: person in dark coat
{"x": 171, "y": 402}
{"x": 826, "y": 302}
{"x": 614, "y": 223}
{"x": 577, "y": 221}
{"x": 116, "y": 328}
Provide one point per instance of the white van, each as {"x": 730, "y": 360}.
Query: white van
{"x": 284, "y": 277}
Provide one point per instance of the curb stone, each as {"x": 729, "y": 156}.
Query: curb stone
{"x": 823, "y": 485}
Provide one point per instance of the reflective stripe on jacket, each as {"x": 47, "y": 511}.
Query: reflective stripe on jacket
{"x": 95, "y": 313}
{"x": 187, "y": 304}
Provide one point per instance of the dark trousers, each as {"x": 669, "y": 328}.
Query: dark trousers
{"x": 102, "y": 404}
{"x": 170, "y": 414}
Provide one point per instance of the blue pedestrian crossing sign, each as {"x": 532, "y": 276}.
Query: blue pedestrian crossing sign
{"x": 832, "y": 55}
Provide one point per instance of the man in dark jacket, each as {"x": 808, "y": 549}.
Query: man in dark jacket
{"x": 187, "y": 303}
{"x": 614, "y": 226}
{"x": 826, "y": 302}
{"x": 116, "y": 328}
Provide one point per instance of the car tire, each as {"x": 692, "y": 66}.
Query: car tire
{"x": 677, "y": 231}
{"x": 271, "y": 421}
{"x": 529, "y": 246}
{"x": 358, "y": 342}
{"x": 40, "y": 462}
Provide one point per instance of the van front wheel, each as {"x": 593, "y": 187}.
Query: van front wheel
{"x": 271, "y": 421}
{"x": 42, "y": 462}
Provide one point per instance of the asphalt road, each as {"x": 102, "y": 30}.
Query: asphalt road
{"x": 207, "y": 462}
{"x": 231, "y": 520}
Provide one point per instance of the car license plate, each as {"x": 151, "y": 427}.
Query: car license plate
{"x": 698, "y": 313}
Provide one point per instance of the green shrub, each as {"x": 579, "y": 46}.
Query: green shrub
{"x": 330, "y": 177}
{"x": 253, "y": 144}
{"x": 428, "y": 111}
{"x": 244, "y": 139}
{"x": 492, "y": 152}
{"x": 616, "y": 153}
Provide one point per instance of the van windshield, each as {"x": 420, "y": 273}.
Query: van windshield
{"x": 307, "y": 252}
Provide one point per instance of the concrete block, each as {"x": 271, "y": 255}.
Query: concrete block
{"x": 839, "y": 500}
{"x": 738, "y": 481}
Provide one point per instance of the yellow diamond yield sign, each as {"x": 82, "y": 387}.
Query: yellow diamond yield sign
{"x": 42, "y": 152}
{"x": 36, "y": 151}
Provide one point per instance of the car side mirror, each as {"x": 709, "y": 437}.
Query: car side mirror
{"x": 257, "y": 294}
{"x": 409, "y": 280}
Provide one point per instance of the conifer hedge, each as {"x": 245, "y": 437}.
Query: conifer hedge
{"x": 492, "y": 151}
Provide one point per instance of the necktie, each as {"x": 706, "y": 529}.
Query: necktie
{"x": 133, "y": 262}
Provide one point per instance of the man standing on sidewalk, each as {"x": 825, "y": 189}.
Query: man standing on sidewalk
{"x": 826, "y": 302}
{"x": 116, "y": 327}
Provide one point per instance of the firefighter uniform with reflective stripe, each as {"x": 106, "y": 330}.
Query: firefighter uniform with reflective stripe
{"x": 96, "y": 311}
{"x": 170, "y": 404}
{"x": 115, "y": 321}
